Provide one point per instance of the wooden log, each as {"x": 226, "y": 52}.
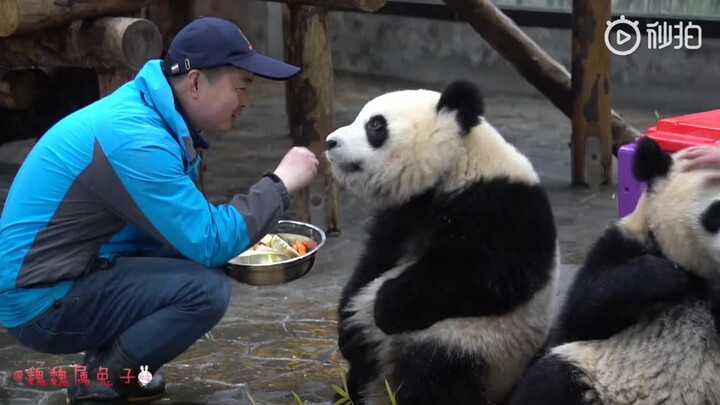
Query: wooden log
{"x": 309, "y": 104}
{"x": 342, "y": 5}
{"x": 534, "y": 64}
{"x": 109, "y": 42}
{"x": 23, "y": 16}
{"x": 591, "y": 135}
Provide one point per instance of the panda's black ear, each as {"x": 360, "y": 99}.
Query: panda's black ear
{"x": 466, "y": 100}
{"x": 649, "y": 160}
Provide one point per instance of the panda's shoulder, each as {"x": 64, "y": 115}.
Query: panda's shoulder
{"x": 501, "y": 195}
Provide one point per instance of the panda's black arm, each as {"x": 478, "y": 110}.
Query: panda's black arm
{"x": 492, "y": 249}
{"x": 430, "y": 291}
{"x": 618, "y": 283}
{"x": 377, "y": 257}
{"x": 389, "y": 229}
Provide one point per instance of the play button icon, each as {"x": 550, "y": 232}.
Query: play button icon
{"x": 627, "y": 36}
{"x": 622, "y": 37}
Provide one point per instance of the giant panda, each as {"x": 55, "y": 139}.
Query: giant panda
{"x": 453, "y": 291}
{"x": 638, "y": 325}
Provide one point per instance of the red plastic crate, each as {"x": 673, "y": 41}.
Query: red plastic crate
{"x": 676, "y": 133}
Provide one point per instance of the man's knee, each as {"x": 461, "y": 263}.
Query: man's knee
{"x": 216, "y": 292}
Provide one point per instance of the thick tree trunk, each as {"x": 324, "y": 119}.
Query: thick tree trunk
{"x": 21, "y": 16}
{"x": 108, "y": 42}
{"x": 309, "y": 104}
{"x": 534, "y": 64}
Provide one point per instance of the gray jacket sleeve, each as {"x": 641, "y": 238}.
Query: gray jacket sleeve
{"x": 262, "y": 207}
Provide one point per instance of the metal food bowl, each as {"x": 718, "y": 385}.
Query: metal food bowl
{"x": 262, "y": 270}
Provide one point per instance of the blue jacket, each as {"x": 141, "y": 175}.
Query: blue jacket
{"x": 117, "y": 178}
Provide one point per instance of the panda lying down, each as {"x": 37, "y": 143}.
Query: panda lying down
{"x": 639, "y": 325}
{"x": 452, "y": 295}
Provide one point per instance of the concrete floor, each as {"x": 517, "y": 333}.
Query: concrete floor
{"x": 281, "y": 339}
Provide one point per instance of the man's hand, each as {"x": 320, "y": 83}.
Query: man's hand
{"x": 297, "y": 168}
{"x": 704, "y": 157}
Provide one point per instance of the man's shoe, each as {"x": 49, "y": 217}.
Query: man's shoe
{"x": 120, "y": 385}
{"x": 155, "y": 389}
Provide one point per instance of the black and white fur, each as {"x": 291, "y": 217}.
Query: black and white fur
{"x": 452, "y": 295}
{"x": 638, "y": 326}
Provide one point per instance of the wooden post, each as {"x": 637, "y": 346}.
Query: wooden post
{"x": 110, "y": 79}
{"x": 170, "y": 16}
{"x": 309, "y": 103}
{"x": 591, "y": 133}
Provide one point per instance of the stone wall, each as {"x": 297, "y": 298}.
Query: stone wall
{"x": 433, "y": 50}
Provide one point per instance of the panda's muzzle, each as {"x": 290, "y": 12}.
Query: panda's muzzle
{"x": 351, "y": 167}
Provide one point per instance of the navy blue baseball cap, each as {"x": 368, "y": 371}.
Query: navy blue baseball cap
{"x": 209, "y": 42}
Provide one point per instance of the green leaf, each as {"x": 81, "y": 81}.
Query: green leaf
{"x": 251, "y": 399}
{"x": 298, "y": 401}
{"x": 341, "y": 401}
{"x": 342, "y": 375}
{"x": 340, "y": 391}
{"x": 390, "y": 392}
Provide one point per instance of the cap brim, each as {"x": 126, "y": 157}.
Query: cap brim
{"x": 267, "y": 67}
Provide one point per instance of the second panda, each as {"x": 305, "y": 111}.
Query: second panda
{"x": 453, "y": 293}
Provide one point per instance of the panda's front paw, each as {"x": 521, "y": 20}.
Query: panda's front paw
{"x": 666, "y": 281}
{"x": 383, "y": 313}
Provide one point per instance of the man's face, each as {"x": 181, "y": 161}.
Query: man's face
{"x": 219, "y": 103}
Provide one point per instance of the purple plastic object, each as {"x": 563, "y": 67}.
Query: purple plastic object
{"x": 629, "y": 189}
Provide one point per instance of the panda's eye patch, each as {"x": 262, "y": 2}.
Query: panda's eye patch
{"x": 376, "y": 130}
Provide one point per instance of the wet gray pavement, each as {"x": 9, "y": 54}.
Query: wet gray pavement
{"x": 278, "y": 340}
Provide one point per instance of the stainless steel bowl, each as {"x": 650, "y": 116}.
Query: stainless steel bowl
{"x": 256, "y": 270}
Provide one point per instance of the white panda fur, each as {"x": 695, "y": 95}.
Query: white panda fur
{"x": 432, "y": 149}
{"x": 660, "y": 266}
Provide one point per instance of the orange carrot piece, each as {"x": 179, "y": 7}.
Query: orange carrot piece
{"x": 309, "y": 244}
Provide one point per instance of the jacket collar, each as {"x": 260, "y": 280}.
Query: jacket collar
{"x": 156, "y": 91}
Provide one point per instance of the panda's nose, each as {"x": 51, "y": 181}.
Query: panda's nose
{"x": 331, "y": 143}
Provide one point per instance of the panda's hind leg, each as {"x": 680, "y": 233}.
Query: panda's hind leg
{"x": 550, "y": 380}
{"x": 425, "y": 373}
